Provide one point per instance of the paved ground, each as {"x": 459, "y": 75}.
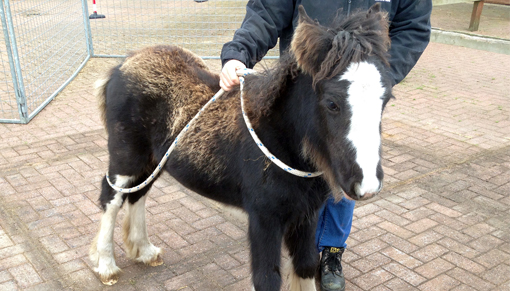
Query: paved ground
{"x": 441, "y": 223}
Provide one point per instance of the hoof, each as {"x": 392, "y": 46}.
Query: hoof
{"x": 157, "y": 262}
{"x": 110, "y": 280}
{"x": 108, "y": 274}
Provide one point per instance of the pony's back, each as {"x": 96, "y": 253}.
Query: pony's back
{"x": 151, "y": 96}
{"x": 164, "y": 75}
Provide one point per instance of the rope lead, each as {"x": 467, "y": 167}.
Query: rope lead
{"x": 276, "y": 161}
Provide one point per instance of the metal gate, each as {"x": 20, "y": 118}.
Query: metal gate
{"x": 47, "y": 42}
{"x": 45, "y": 45}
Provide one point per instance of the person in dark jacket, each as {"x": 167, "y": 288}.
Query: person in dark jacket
{"x": 266, "y": 21}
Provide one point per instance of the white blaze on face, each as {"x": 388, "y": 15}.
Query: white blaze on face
{"x": 365, "y": 97}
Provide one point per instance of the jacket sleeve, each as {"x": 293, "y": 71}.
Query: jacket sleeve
{"x": 410, "y": 34}
{"x": 259, "y": 32}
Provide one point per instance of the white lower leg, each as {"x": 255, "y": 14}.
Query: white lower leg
{"x": 136, "y": 238}
{"x": 102, "y": 249}
{"x": 294, "y": 282}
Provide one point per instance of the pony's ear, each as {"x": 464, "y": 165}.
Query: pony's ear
{"x": 381, "y": 17}
{"x": 382, "y": 22}
{"x": 310, "y": 43}
{"x": 375, "y": 8}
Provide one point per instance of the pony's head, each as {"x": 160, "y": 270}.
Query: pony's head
{"x": 348, "y": 65}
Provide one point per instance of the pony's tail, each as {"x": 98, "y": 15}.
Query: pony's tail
{"x": 100, "y": 93}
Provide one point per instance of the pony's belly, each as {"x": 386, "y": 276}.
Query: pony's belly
{"x": 217, "y": 187}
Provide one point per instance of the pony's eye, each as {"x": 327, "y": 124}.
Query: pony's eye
{"x": 332, "y": 106}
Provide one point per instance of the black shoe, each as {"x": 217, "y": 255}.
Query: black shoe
{"x": 200, "y": 1}
{"x": 332, "y": 278}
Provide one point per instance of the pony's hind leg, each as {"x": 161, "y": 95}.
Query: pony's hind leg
{"x": 136, "y": 238}
{"x": 102, "y": 249}
{"x": 293, "y": 281}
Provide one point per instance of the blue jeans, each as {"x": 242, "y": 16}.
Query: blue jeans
{"x": 334, "y": 225}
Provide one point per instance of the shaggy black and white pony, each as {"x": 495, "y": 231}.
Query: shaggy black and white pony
{"x": 318, "y": 109}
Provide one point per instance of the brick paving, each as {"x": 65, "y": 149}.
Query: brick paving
{"x": 441, "y": 222}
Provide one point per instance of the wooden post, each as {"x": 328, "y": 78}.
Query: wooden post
{"x": 475, "y": 16}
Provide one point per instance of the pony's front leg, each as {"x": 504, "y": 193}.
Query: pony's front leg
{"x": 101, "y": 252}
{"x": 136, "y": 238}
{"x": 265, "y": 242}
{"x": 304, "y": 258}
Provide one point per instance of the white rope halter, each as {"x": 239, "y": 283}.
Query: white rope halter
{"x": 241, "y": 73}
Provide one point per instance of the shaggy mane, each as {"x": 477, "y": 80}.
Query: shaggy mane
{"x": 263, "y": 88}
{"x": 355, "y": 39}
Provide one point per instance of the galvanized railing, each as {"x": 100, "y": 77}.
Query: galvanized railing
{"x": 44, "y": 47}
{"x": 47, "y": 42}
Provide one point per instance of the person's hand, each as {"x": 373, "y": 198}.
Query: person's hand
{"x": 228, "y": 76}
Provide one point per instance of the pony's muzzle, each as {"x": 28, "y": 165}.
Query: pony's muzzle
{"x": 362, "y": 194}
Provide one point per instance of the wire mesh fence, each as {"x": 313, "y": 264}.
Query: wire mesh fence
{"x": 8, "y": 102}
{"x": 47, "y": 42}
{"x": 202, "y": 27}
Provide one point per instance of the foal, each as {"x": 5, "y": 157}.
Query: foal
{"x": 318, "y": 109}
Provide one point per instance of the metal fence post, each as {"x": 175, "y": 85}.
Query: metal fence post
{"x": 88, "y": 31}
{"x": 14, "y": 63}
